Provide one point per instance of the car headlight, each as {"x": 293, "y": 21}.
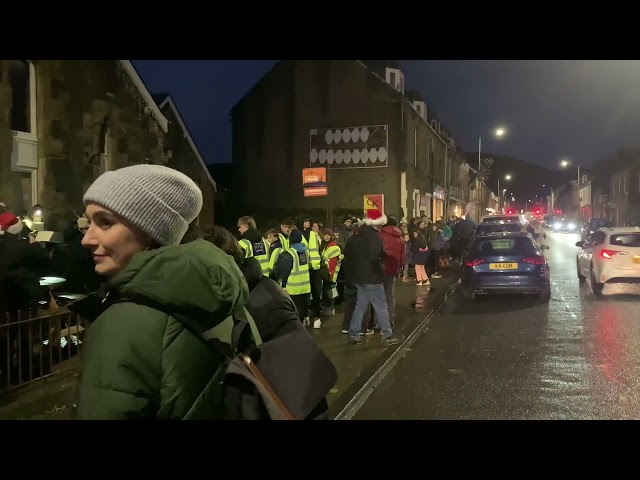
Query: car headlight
{"x": 571, "y": 226}
{"x": 557, "y": 225}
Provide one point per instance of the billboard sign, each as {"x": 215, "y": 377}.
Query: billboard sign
{"x": 349, "y": 147}
{"x": 373, "y": 201}
{"x": 314, "y": 182}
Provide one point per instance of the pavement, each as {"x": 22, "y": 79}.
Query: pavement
{"x": 52, "y": 399}
{"x": 577, "y": 357}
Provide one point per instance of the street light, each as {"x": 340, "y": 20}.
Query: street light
{"x": 564, "y": 163}
{"x": 507, "y": 178}
{"x": 498, "y": 132}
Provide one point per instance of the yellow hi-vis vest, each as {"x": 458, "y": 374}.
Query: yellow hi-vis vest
{"x": 258, "y": 250}
{"x": 275, "y": 253}
{"x": 298, "y": 282}
{"x": 329, "y": 253}
{"x": 284, "y": 241}
{"x": 313, "y": 246}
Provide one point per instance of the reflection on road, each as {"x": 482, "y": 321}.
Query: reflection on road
{"x": 576, "y": 357}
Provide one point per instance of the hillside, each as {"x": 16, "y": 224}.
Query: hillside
{"x": 526, "y": 178}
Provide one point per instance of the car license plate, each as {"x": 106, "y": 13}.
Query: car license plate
{"x": 503, "y": 266}
{"x": 636, "y": 259}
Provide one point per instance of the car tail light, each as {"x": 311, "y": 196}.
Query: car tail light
{"x": 608, "y": 254}
{"x": 474, "y": 262}
{"x": 534, "y": 260}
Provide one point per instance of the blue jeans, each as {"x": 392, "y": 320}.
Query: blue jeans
{"x": 370, "y": 295}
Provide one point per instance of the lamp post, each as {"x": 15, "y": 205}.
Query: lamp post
{"x": 507, "y": 178}
{"x": 565, "y": 163}
{"x": 499, "y": 132}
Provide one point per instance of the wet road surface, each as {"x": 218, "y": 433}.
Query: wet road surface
{"x": 577, "y": 357}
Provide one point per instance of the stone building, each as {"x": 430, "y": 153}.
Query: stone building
{"x": 355, "y": 119}
{"x": 64, "y": 122}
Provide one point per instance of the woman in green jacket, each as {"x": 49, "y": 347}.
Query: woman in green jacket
{"x": 139, "y": 362}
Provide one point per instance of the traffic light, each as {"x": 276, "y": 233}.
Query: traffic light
{"x": 537, "y": 211}
{"x": 510, "y": 212}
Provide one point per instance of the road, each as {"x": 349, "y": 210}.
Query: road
{"x": 577, "y": 357}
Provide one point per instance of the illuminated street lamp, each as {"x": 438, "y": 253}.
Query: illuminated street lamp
{"x": 507, "y": 178}
{"x": 498, "y": 132}
{"x": 564, "y": 163}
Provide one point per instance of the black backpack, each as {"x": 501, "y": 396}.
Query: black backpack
{"x": 285, "y": 378}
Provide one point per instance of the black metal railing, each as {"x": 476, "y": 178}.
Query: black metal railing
{"x": 34, "y": 343}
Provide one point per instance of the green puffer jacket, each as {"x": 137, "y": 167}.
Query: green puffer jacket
{"x": 141, "y": 363}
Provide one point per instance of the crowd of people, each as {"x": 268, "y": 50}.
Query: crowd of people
{"x": 158, "y": 346}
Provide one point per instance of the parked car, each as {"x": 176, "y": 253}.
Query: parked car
{"x": 612, "y": 255}
{"x": 486, "y": 228}
{"x": 592, "y": 225}
{"x": 502, "y": 219}
{"x": 507, "y": 262}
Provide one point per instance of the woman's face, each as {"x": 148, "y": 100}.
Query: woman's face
{"x": 112, "y": 240}
{"x": 327, "y": 238}
{"x": 316, "y": 228}
{"x": 306, "y": 224}
{"x": 421, "y": 225}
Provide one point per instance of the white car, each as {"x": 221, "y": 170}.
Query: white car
{"x": 611, "y": 255}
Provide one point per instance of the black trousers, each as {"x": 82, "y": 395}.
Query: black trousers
{"x": 316, "y": 292}
{"x": 302, "y": 304}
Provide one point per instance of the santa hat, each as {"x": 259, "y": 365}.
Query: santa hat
{"x": 375, "y": 218}
{"x": 10, "y": 223}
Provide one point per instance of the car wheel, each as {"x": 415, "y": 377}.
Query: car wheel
{"x": 545, "y": 296}
{"x": 581, "y": 277}
{"x": 596, "y": 286}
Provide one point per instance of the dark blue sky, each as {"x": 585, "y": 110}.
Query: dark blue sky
{"x": 581, "y": 110}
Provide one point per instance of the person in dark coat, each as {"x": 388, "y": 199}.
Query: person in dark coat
{"x": 366, "y": 270}
{"x": 22, "y": 264}
{"x": 273, "y": 310}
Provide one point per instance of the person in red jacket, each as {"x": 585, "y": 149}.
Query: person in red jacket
{"x": 329, "y": 240}
{"x": 394, "y": 250}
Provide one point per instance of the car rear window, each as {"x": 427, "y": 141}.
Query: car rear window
{"x": 505, "y": 246}
{"x": 625, "y": 240}
{"x": 501, "y": 220}
{"x": 497, "y": 227}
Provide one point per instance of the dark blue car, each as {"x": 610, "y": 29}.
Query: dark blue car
{"x": 507, "y": 262}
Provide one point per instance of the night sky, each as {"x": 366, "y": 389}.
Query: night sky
{"x": 580, "y": 110}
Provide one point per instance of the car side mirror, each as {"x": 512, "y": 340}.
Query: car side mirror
{"x": 544, "y": 247}
{"x": 580, "y": 244}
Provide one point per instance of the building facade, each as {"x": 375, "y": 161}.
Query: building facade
{"x": 352, "y": 118}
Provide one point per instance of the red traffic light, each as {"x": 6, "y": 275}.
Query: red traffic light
{"x": 537, "y": 211}
{"x": 510, "y": 212}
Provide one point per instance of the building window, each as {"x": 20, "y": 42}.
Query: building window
{"x": 23, "y": 198}
{"x": 432, "y": 158}
{"x": 415, "y": 147}
{"x": 103, "y": 147}
{"x": 395, "y": 78}
{"x": 19, "y": 79}
{"x": 22, "y": 118}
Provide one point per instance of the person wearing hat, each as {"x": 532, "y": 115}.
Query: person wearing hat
{"x": 21, "y": 266}
{"x": 139, "y": 361}
{"x": 364, "y": 255}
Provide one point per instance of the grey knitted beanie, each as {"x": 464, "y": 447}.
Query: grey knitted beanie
{"x": 159, "y": 200}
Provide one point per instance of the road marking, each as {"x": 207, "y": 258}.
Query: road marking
{"x": 379, "y": 375}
